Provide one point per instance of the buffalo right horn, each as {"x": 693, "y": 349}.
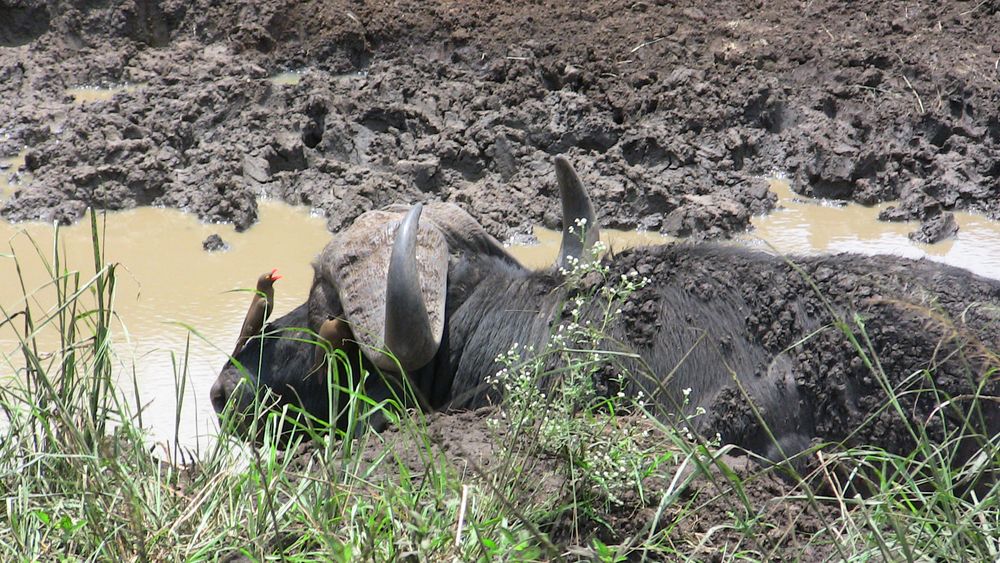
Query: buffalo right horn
{"x": 408, "y": 332}
{"x": 576, "y": 209}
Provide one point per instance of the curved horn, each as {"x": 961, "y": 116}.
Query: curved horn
{"x": 576, "y": 206}
{"x": 408, "y": 332}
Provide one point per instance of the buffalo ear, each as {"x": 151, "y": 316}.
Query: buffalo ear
{"x": 576, "y": 211}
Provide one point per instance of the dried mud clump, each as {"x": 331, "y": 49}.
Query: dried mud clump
{"x": 674, "y": 114}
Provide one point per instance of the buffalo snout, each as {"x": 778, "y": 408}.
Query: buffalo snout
{"x": 232, "y": 396}
{"x": 219, "y": 395}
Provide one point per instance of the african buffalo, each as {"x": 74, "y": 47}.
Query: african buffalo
{"x": 813, "y": 342}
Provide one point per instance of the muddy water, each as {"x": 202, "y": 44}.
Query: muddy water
{"x": 167, "y": 281}
{"x": 803, "y": 226}
{"x": 293, "y": 77}
{"x": 87, "y": 94}
{"x": 287, "y": 78}
{"x": 544, "y": 254}
{"x": 8, "y": 168}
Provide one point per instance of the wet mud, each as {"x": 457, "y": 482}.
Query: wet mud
{"x": 674, "y": 115}
{"x": 679, "y": 109}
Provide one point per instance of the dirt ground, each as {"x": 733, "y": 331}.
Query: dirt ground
{"x": 698, "y": 523}
{"x": 674, "y": 114}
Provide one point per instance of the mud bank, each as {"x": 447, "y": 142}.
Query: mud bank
{"x": 478, "y": 446}
{"x": 675, "y": 111}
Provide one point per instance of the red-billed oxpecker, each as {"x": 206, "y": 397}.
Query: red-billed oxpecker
{"x": 260, "y": 308}
{"x": 338, "y": 335}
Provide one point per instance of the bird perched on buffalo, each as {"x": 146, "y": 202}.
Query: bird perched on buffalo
{"x": 337, "y": 334}
{"x": 260, "y": 308}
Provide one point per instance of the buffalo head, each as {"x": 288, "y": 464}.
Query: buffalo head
{"x": 385, "y": 282}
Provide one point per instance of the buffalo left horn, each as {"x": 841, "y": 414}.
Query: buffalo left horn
{"x": 576, "y": 209}
{"x": 408, "y": 332}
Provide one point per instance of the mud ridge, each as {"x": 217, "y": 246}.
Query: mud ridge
{"x": 674, "y": 112}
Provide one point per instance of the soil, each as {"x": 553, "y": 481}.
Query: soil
{"x": 673, "y": 113}
{"x": 493, "y": 461}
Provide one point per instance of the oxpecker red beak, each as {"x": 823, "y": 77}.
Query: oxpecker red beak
{"x": 274, "y": 275}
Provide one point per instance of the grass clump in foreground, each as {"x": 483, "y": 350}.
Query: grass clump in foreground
{"x": 567, "y": 471}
